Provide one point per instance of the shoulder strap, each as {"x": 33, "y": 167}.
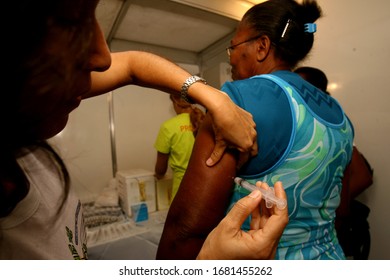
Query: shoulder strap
{"x": 285, "y": 87}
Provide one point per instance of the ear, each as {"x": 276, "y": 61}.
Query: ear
{"x": 263, "y": 48}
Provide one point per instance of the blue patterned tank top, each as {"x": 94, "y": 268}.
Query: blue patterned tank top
{"x": 316, "y": 146}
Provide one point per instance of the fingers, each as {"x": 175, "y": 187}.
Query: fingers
{"x": 280, "y": 193}
{"x": 239, "y": 132}
{"x": 241, "y": 210}
{"x": 243, "y": 157}
{"x": 264, "y": 210}
{"x": 273, "y": 221}
{"x": 250, "y": 143}
{"x": 278, "y": 220}
{"x": 275, "y": 211}
{"x": 255, "y": 148}
{"x": 217, "y": 153}
{"x": 256, "y": 218}
{"x": 220, "y": 148}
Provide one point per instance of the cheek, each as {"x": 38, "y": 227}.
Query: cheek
{"x": 240, "y": 68}
{"x": 48, "y": 116}
{"x": 48, "y": 103}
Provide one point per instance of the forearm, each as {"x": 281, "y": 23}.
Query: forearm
{"x": 233, "y": 126}
{"x": 161, "y": 165}
{"x": 149, "y": 70}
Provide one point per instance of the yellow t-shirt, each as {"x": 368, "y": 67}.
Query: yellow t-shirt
{"x": 176, "y": 138}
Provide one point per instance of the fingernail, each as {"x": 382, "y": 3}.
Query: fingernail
{"x": 255, "y": 194}
{"x": 209, "y": 162}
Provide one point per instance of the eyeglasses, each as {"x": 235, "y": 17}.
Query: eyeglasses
{"x": 231, "y": 48}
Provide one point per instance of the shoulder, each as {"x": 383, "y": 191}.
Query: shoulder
{"x": 250, "y": 90}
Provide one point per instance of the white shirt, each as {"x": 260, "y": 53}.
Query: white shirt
{"x": 34, "y": 229}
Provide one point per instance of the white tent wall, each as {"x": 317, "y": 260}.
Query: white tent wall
{"x": 352, "y": 47}
{"x": 85, "y": 143}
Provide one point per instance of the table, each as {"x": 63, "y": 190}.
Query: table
{"x": 127, "y": 240}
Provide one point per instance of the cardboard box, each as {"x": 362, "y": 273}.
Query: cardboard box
{"x": 136, "y": 186}
{"x": 164, "y": 192}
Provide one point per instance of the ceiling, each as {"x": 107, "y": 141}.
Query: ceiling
{"x": 189, "y": 25}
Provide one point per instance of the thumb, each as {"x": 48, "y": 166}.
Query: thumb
{"x": 217, "y": 153}
{"x": 243, "y": 208}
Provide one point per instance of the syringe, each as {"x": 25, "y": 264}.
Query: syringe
{"x": 268, "y": 195}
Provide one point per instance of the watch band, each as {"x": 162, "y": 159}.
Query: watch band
{"x": 186, "y": 85}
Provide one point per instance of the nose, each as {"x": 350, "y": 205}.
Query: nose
{"x": 100, "y": 58}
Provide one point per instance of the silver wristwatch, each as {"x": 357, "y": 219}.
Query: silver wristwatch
{"x": 186, "y": 85}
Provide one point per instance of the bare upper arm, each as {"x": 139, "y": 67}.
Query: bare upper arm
{"x": 208, "y": 188}
{"x": 201, "y": 200}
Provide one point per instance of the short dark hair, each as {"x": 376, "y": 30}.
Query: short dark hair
{"x": 314, "y": 76}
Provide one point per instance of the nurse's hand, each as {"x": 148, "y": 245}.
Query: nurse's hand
{"x": 233, "y": 128}
{"x": 228, "y": 241}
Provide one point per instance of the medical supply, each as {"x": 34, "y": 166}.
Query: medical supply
{"x": 267, "y": 195}
{"x": 139, "y": 212}
{"x": 136, "y": 186}
{"x": 164, "y": 192}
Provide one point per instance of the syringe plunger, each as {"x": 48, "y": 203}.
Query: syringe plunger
{"x": 268, "y": 195}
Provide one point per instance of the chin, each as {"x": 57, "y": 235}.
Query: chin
{"x": 233, "y": 75}
{"x": 52, "y": 129}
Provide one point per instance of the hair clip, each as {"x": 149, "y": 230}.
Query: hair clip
{"x": 285, "y": 28}
{"x": 310, "y": 27}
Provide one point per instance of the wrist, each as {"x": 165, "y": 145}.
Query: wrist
{"x": 187, "y": 84}
{"x": 210, "y": 98}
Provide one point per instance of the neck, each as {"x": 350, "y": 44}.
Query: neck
{"x": 271, "y": 66}
{"x": 184, "y": 110}
{"x": 278, "y": 68}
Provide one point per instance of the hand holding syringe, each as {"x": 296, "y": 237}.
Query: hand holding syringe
{"x": 268, "y": 195}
